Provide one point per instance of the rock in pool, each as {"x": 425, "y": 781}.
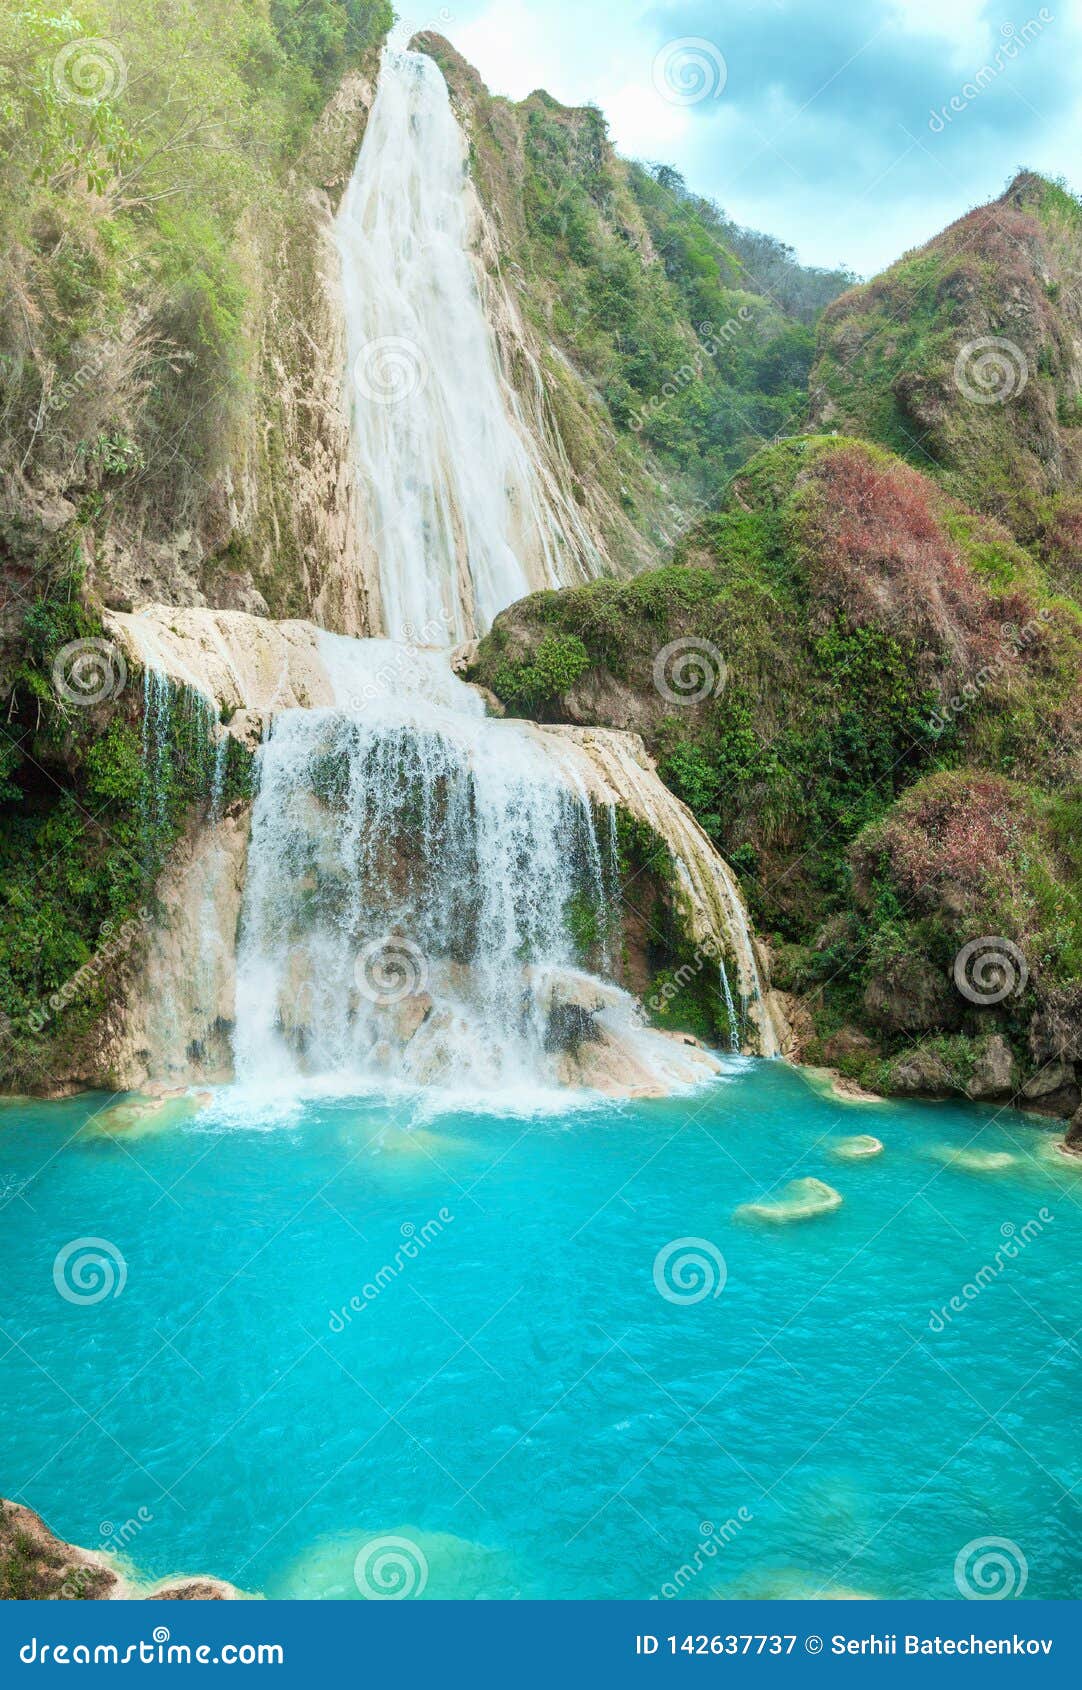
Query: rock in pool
{"x": 854, "y": 1149}
{"x": 800, "y": 1200}
{"x": 140, "y": 1114}
{"x": 975, "y": 1161}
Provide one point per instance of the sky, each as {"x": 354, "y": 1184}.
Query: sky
{"x": 852, "y": 129}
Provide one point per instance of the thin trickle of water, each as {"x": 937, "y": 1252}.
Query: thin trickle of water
{"x": 217, "y": 778}
{"x": 157, "y": 699}
{"x": 730, "y": 1008}
{"x": 458, "y": 513}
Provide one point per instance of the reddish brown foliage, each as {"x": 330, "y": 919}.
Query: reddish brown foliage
{"x": 947, "y": 840}
{"x": 1061, "y": 542}
{"x": 878, "y": 554}
{"x": 1001, "y": 236}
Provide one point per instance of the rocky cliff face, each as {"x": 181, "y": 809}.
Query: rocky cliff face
{"x": 274, "y": 529}
{"x": 170, "y": 401}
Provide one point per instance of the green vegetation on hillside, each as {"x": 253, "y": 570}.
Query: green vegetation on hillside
{"x": 140, "y": 146}
{"x": 695, "y": 335}
{"x": 92, "y": 799}
{"x": 890, "y": 667}
{"x": 964, "y": 358}
{"x": 687, "y": 351}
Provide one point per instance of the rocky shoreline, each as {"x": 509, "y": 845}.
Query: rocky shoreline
{"x": 36, "y": 1565}
{"x": 847, "y": 1090}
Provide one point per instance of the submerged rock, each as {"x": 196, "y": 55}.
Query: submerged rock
{"x": 405, "y": 1562}
{"x": 974, "y": 1161}
{"x": 800, "y": 1200}
{"x": 141, "y": 1114}
{"x": 858, "y": 1147}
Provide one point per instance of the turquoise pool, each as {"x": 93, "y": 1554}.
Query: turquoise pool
{"x": 281, "y": 1382}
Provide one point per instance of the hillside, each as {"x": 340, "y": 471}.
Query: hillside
{"x": 885, "y": 729}
{"x": 965, "y": 357}
{"x": 694, "y": 337}
{"x": 166, "y": 345}
{"x": 870, "y": 696}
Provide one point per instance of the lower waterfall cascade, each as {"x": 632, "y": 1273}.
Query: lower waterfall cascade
{"x": 416, "y": 872}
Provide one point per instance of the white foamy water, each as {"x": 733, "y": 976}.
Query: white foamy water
{"x": 410, "y": 861}
{"x": 457, "y": 507}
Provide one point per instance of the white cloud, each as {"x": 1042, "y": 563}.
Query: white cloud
{"x": 518, "y": 48}
{"x": 641, "y": 123}
{"x": 836, "y": 182}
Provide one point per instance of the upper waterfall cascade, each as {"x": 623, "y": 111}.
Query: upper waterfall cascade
{"x": 461, "y": 512}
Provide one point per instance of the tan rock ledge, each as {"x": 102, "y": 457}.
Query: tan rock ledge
{"x": 829, "y": 1082}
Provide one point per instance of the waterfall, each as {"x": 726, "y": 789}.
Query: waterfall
{"x": 428, "y": 892}
{"x": 412, "y": 864}
{"x": 458, "y": 514}
{"x": 157, "y": 698}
